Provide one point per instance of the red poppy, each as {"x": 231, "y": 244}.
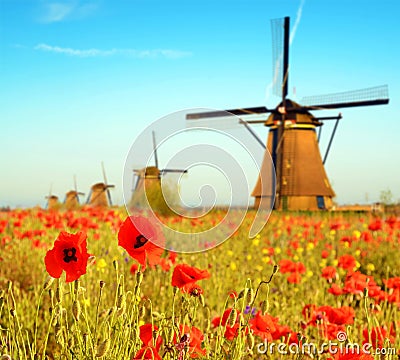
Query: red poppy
{"x": 146, "y": 335}
{"x": 196, "y": 337}
{"x": 147, "y": 353}
{"x": 69, "y": 254}
{"x": 184, "y": 276}
{"x": 347, "y": 262}
{"x": 329, "y": 272}
{"x": 141, "y": 244}
{"x": 263, "y": 326}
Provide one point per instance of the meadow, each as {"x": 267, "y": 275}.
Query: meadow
{"x": 327, "y": 279}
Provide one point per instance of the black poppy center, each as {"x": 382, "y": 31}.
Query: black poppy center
{"x": 69, "y": 255}
{"x": 140, "y": 241}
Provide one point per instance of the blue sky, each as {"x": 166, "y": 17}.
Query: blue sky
{"x": 80, "y": 80}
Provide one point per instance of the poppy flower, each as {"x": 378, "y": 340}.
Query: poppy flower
{"x": 147, "y": 353}
{"x": 195, "y": 338}
{"x": 69, "y": 254}
{"x": 146, "y": 335}
{"x": 138, "y": 236}
{"x": 263, "y": 326}
{"x": 184, "y": 276}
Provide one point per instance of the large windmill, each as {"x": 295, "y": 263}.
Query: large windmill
{"x": 99, "y": 194}
{"x": 147, "y": 184}
{"x": 301, "y": 180}
{"x": 72, "y": 197}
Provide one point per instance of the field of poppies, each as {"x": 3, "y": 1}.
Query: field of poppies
{"x": 88, "y": 284}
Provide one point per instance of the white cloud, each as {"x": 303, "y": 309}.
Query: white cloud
{"x": 59, "y": 11}
{"x": 154, "y": 53}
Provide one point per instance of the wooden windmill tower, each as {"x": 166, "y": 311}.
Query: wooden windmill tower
{"x": 71, "y": 201}
{"x": 52, "y": 201}
{"x": 147, "y": 184}
{"x": 301, "y": 180}
{"x": 99, "y": 194}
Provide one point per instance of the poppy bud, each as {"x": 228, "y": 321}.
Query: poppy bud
{"x": 103, "y": 348}
{"x": 71, "y": 342}
{"x": 76, "y": 286}
{"x": 58, "y": 294}
{"x": 249, "y": 296}
{"x": 202, "y": 300}
{"x": 250, "y": 341}
{"x": 264, "y": 306}
{"x": 142, "y": 311}
{"x": 49, "y": 281}
{"x": 76, "y": 309}
{"x": 366, "y": 292}
{"x": 139, "y": 277}
{"x": 275, "y": 269}
{"x": 91, "y": 260}
{"x": 13, "y": 312}
{"x": 9, "y": 285}
{"x": 115, "y": 264}
{"x": 232, "y": 317}
{"x": 102, "y": 284}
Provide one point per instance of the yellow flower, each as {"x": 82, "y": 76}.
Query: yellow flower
{"x": 266, "y": 259}
{"x": 248, "y": 257}
{"x": 309, "y": 273}
{"x": 101, "y": 264}
{"x": 332, "y": 232}
{"x": 357, "y": 264}
{"x": 259, "y": 268}
{"x": 310, "y": 246}
{"x": 370, "y": 267}
{"x": 233, "y": 266}
{"x": 230, "y": 252}
{"x": 265, "y": 251}
{"x": 86, "y": 302}
{"x": 356, "y": 234}
{"x": 256, "y": 242}
{"x": 295, "y": 258}
{"x": 323, "y": 263}
{"x": 299, "y": 250}
{"x": 258, "y": 236}
{"x": 335, "y": 262}
{"x": 278, "y": 250}
{"x": 357, "y": 253}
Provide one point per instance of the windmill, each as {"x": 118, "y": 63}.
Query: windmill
{"x": 301, "y": 180}
{"x": 147, "y": 184}
{"x": 71, "y": 200}
{"x": 52, "y": 200}
{"x": 99, "y": 194}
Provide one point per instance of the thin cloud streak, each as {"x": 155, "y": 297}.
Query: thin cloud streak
{"x": 57, "y": 11}
{"x": 154, "y": 53}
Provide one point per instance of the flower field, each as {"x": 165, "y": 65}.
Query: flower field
{"x": 88, "y": 284}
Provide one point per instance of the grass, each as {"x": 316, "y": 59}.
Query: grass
{"x": 101, "y": 315}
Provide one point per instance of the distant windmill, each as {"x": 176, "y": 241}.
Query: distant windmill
{"x": 99, "y": 194}
{"x": 72, "y": 197}
{"x": 301, "y": 180}
{"x": 52, "y": 200}
{"x": 147, "y": 184}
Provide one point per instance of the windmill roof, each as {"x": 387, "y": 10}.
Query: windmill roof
{"x": 295, "y": 113}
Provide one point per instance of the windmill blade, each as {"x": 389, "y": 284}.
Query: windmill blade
{"x": 378, "y": 95}
{"x": 331, "y": 139}
{"x": 109, "y": 194}
{"x": 227, "y": 113}
{"x": 75, "y": 184}
{"x": 280, "y": 30}
{"x": 155, "y": 149}
{"x": 173, "y": 171}
{"x": 104, "y": 173}
{"x": 88, "y": 198}
{"x": 251, "y": 131}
